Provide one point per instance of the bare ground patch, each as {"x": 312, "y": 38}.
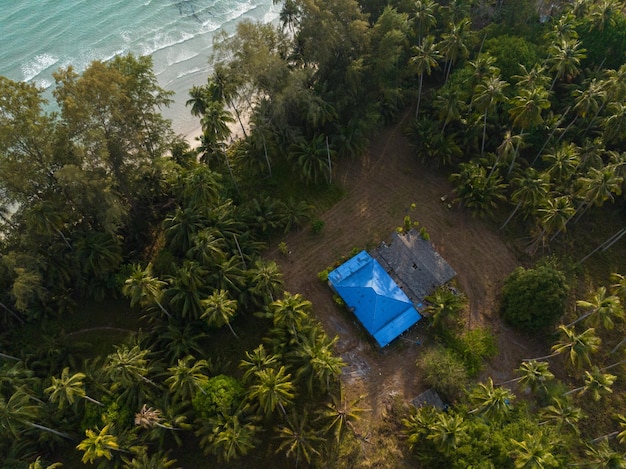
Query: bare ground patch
{"x": 380, "y": 189}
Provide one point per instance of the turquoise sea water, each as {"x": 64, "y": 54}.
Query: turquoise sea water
{"x": 39, "y": 36}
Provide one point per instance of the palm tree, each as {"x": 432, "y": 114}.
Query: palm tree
{"x": 255, "y": 361}
{"x": 273, "y": 388}
{"x": 417, "y": 425}
{"x": 424, "y": 59}
{"x": 18, "y": 412}
{"x": 492, "y": 402}
{"x": 534, "y": 452}
{"x": 267, "y": 279}
{"x": 602, "y": 309}
{"x": 298, "y": 440}
{"x": 487, "y": 94}
{"x": 208, "y": 247}
{"x": 578, "y": 347}
{"x": 565, "y": 57}
{"x": 599, "y": 186}
{"x": 186, "y": 293}
{"x": 443, "y": 305}
{"x": 127, "y": 366}
{"x": 603, "y": 13}
{"x": 198, "y": 98}
{"x": 553, "y": 218}
{"x": 143, "y": 288}
{"x": 230, "y": 438}
{"x": 603, "y": 456}
{"x": 223, "y": 88}
{"x": 219, "y": 310}
{"x": 182, "y": 226}
{"x": 531, "y": 190}
{"x": 454, "y": 43}
{"x": 290, "y": 312}
{"x": 477, "y": 191}
{"x": 98, "y": 445}
{"x": 596, "y": 384}
{"x": 534, "y": 375}
{"x": 563, "y": 162}
{"x": 312, "y": 158}
{"x": 187, "y": 377}
{"x": 340, "y": 415}
{"x": 319, "y": 366}
{"x": 448, "y": 432}
{"x": 66, "y": 388}
{"x": 214, "y": 123}
{"x": 425, "y": 18}
{"x": 527, "y": 105}
{"x": 562, "y": 413}
{"x": 448, "y": 105}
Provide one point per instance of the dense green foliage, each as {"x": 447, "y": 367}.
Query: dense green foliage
{"x": 535, "y": 298}
{"x": 103, "y": 208}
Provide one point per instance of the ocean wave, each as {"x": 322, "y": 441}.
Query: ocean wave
{"x": 43, "y": 84}
{"x": 183, "y": 56}
{"x": 190, "y": 71}
{"x": 37, "y": 65}
{"x": 163, "y": 41}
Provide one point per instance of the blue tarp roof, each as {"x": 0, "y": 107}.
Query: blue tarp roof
{"x": 376, "y": 300}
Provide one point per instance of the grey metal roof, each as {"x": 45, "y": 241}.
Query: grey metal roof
{"x": 414, "y": 265}
{"x": 429, "y": 398}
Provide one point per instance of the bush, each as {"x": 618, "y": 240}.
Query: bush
{"x": 444, "y": 372}
{"x": 533, "y": 299}
{"x": 222, "y": 393}
{"x": 510, "y": 52}
{"x": 475, "y": 346}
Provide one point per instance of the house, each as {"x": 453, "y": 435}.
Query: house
{"x": 375, "y": 299}
{"x": 386, "y": 288}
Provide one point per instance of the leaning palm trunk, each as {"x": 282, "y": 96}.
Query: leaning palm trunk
{"x": 49, "y": 430}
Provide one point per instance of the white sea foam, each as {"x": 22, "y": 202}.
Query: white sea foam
{"x": 38, "y": 64}
{"x": 190, "y": 71}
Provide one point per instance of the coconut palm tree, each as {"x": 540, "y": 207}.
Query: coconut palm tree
{"x": 19, "y": 412}
{"x": 475, "y": 190}
{"x": 531, "y": 189}
{"x": 290, "y": 312}
{"x": 312, "y": 158}
{"x": 187, "y": 377}
{"x": 257, "y": 360}
{"x": 599, "y": 186}
{"x": 208, "y": 247}
{"x": 127, "y": 369}
{"x": 563, "y": 414}
{"x": 553, "y": 218}
{"x": 339, "y": 415}
{"x": 487, "y": 95}
{"x": 187, "y": 290}
{"x": 66, "y": 388}
{"x": 425, "y": 17}
{"x": 527, "y": 106}
{"x": 491, "y": 401}
{"x": 534, "y": 375}
{"x": 198, "y": 99}
{"x": 298, "y": 440}
{"x": 98, "y": 445}
{"x": 444, "y": 304}
{"x": 231, "y": 438}
{"x": 596, "y": 384}
{"x": 601, "y": 309}
{"x": 534, "y": 452}
{"x": 318, "y": 365}
{"x": 182, "y": 226}
{"x": 578, "y": 347}
{"x": 562, "y": 161}
{"x": 267, "y": 279}
{"x": 417, "y": 425}
{"x": 602, "y": 456}
{"x": 448, "y": 105}
{"x": 219, "y": 310}
{"x": 424, "y": 59}
{"x": 448, "y": 432}
{"x": 143, "y": 288}
{"x": 454, "y": 43}
{"x": 272, "y": 388}
{"x": 565, "y": 57}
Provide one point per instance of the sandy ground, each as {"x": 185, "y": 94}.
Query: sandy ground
{"x": 380, "y": 188}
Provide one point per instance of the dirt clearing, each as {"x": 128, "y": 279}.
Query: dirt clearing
{"x": 380, "y": 189}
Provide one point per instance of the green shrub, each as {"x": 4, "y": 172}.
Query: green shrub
{"x": 444, "y": 372}
{"x": 510, "y": 52}
{"x": 317, "y": 226}
{"x": 222, "y": 393}
{"x": 475, "y": 347}
{"x": 533, "y": 299}
{"x": 323, "y": 275}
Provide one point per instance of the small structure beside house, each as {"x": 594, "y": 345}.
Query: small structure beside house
{"x": 386, "y": 288}
{"x": 429, "y": 398}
